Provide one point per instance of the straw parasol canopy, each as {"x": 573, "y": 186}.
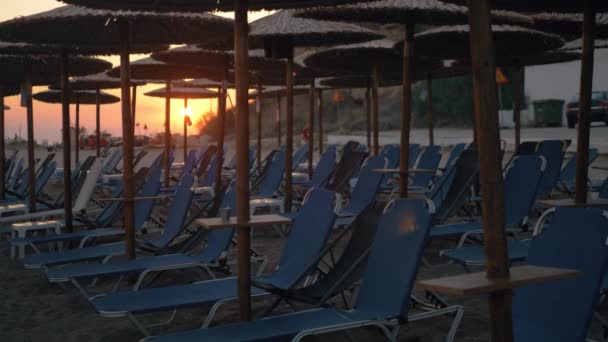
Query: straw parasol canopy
{"x": 569, "y": 24}
{"x": 97, "y": 81}
{"x": 10, "y": 89}
{"x": 44, "y": 67}
{"x": 152, "y": 71}
{"x": 88, "y": 31}
{"x": 306, "y": 32}
{"x": 361, "y": 81}
{"x": 184, "y": 93}
{"x": 542, "y": 5}
{"x": 202, "y": 5}
{"x": 274, "y": 91}
{"x": 207, "y": 58}
{"x": 578, "y": 45}
{"x": 202, "y": 83}
{"x": 453, "y": 41}
{"x": 359, "y": 58}
{"x": 81, "y": 97}
{"x": 430, "y": 12}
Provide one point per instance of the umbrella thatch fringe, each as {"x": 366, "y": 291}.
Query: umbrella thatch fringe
{"x": 83, "y": 97}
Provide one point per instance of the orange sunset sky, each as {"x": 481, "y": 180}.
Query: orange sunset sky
{"x": 47, "y": 119}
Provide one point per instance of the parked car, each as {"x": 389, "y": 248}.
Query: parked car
{"x": 599, "y": 108}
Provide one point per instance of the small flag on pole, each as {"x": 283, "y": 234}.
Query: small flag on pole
{"x": 501, "y": 78}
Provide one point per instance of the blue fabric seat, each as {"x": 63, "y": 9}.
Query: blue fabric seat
{"x": 383, "y": 299}
{"x": 307, "y": 238}
{"x": 172, "y": 228}
{"x": 429, "y": 160}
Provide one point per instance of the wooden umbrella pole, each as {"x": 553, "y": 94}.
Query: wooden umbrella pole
{"x": 279, "y": 120}
{"x": 241, "y": 52}
{"x": 2, "y": 147}
{"x": 133, "y": 104}
{"x": 368, "y": 115}
{"x": 31, "y": 144}
{"x": 406, "y": 109}
{"x": 258, "y": 109}
{"x": 375, "y": 109}
{"x": 221, "y": 113}
{"x": 311, "y": 126}
{"x": 65, "y": 137}
{"x": 488, "y": 135}
{"x": 97, "y": 122}
{"x": 127, "y": 138}
{"x": 77, "y": 131}
{"x": 185, "y": 131}
{"x": 168, "y": 131}
{"x": 320, "y": 111}
{"x": 518, "y": 93}
{"x": 429, "y": 108}
{"x": 289, "y": 133}
{"x": 584, "y": 121}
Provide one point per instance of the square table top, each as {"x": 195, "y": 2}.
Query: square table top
{"x": 569, "y": 202}
{"x": 478, "y": 283}
{"x": 255, "y": 220}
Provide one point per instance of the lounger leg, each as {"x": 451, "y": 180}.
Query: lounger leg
{"x": 80, "y": 288}
{"x": 213, "y": 310}
{"x": 456, "y": 310}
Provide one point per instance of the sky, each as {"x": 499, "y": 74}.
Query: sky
{"x": 559, "y": 81}
{"x": 47, "y": 117}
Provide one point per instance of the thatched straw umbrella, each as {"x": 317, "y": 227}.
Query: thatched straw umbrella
{"x": 516, "y": 47}
{"x": 369, "y": 58}
{"x": 280, "y": 33}
{"x": 569, "y": 24}
{"x": 408, "y": 13}
{"x": 240, "y": 8}
{"x": 223, "y": 60}
{"x": 98, "y": 82}
{"x": 30, "y": 70}
{"x": 184, "y": 93}
{"x": 578, "y": 45}
{"x": 81, "y": 97}
{"x": 155, "y": 71}
{"x": 5, "y": 90}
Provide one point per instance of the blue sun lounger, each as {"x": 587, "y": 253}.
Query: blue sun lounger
{"x": 429, "y": 160}
{"x": 217, "y": 243}
{"x": 520, "y": 188}
{"x": 172, "y": 229}
{"x": 150, "y": 188}
{"x": 553, "y": 152}
{"x": 308, "y": 236}
{"x": 384, "y": 297}
{"x": 326, "y": 165}
{"x": 567, "y": 177}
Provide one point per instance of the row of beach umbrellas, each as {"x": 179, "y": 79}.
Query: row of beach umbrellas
{"x": 46, "y": 49}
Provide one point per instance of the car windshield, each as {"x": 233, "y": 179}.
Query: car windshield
{"x": 599, "y": 95}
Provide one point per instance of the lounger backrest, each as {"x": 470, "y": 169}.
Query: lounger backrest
{"x": 527, "y": 147}
{"x": 568, "y": 173}
{"x": 325, "y": 167}
{"x": 392, "y": 155}
{"x": 561, "y": 310}
{"x": 151, "y": 188}
{"x": 89, "y": 184}
{"x": 210, "y": 176}
{"x": 201, "y": 153}
{"x": 274, "y": 176}
{"x": 349, "y": 269}
{"x": 113, "y": 160}
{"x": 429, "y": 160}
{"x": 203, "y": 164}
{"x": 108, "y": 213}
{"x": 157, "y": 160}
{"x": 350, "y": 162}
{"x": 177, "y": 212}
{"x": 521, "y": 183}
{"x": 218, "y": 240}
{"x": 350, "y": 145}
{"x": 308, "y": 236}
{"x": 465, "y": 171}
{"x": 367, "y": 186}
{"x": 299, "y": 155}
{"x": 413, "y": 154}
{"x": 15, "y": 175}
{"x": 455, "y": 152}
{"x": 45, "y": 176}
{"x": 442, "y": 186}
{"x": 10, "y": 168}
{"x": 603, "y": 192}
{"x": 394, "y": 258}
{"x": 189, "y": 162}
{"x": 553, "y": 152}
